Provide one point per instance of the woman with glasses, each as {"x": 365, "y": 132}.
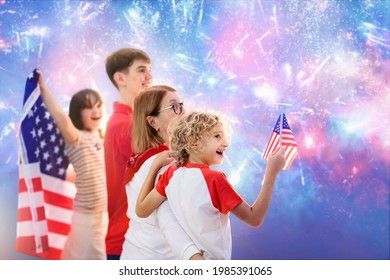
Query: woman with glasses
{"x": 159, "y": 236}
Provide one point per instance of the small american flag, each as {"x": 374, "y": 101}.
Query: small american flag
{"x": 288, "y": 142}
{"x": 46, "y": 189}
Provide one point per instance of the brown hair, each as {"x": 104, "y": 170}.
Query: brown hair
{"x": 82, "y": 99}
{"x": 122, "y": 59}
{"x": 147, "y": 103}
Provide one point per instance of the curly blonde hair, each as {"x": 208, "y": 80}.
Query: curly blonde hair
{"x": 190, "y": 130}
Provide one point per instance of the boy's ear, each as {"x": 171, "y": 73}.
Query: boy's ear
{"x": 196, "y": 147}
{"x": 118, "y": 77}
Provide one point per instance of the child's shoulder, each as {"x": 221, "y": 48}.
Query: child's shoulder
{"x": 204, "y": 169}
{"x": 212, "y": 173}
{"x": 169, "y": 170}
{"x": 215, "y": 179}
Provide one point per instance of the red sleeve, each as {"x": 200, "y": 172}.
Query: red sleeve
{"x": 222, "y": 193}
{"x": 163, "y": 180}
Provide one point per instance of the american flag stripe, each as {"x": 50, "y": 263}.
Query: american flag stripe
{"x": 57, "y": 240}
{"x": 24, "y": 214}
{"x": 58, "y": 214}
{"x": 55, "y": 198}
{"x": 57, "y": 227}
{"x": 288, "y": 142}
{"x": 29, "y": 243}
{"x": 24, "y": 228}
{"x": 288, "y": 138}
{"x": 48, "y": 210}
{"x": 35, "y": 182}
{"x": 291, "y": 154}
{"x": 65, "y": 188}
{"x": 272, "y": 145}
{"x": 24, "y": 200}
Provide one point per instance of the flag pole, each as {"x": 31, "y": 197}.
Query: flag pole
{"x": 281, "y": 126}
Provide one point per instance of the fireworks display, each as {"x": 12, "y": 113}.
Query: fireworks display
{"x": 326, "y": 62}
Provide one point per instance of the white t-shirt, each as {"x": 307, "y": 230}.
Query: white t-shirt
{"x": 201, "y": 200}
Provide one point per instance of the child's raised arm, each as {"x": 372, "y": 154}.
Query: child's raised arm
{"x": 62, "y": 120}
{"x": 149, "y": 199}
{"x": 254, "y": 215}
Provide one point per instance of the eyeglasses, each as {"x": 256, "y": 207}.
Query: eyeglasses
{"x": 177, "y": 108}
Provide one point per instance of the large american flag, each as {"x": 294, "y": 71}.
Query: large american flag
{"x": 288, "y": 142}
{"x": 46, "y": 189}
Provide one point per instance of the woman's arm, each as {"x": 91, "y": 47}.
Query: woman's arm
{"x": 254, "y": 215}
{"x": 62, "y": 120}
{"x": 149, "y": 199}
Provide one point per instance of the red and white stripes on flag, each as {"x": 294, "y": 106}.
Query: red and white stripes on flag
{"x": 46, "y": 188}
{"x": 288, "y": 142}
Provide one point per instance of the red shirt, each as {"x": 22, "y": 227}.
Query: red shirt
{"x": 117, "y": 151}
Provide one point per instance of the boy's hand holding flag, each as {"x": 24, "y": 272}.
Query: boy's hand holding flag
{"x": 282, "y": 136}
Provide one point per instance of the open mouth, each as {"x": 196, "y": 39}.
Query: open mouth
{"x": 220, "y": 152}
{"x": 96, "y": 119}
